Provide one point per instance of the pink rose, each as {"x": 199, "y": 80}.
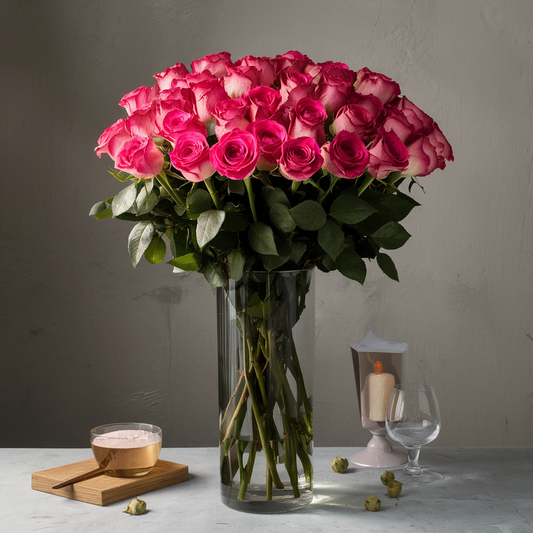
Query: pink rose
{"x": 289, "y": 79}
{"x": 206, "y": 95}
{"x": 177, "y": 98}
{"x": 230, "y": 114}
{"x": 191, "y": 156}
{"x": 113, "y": 139}
{"x": 139, "y": 98}
{"x": 265, "y": 65}
{"x": 293, "y": 59}
{"x": 387, "y": 154}
{"x": 144, "y": 121}
{"x": 379, "y": 85}
{"x": 422, "y": 158}
{"x": 331, "y": 97}
{"x": 167, "y": 79}
{"x": 140, "y": 157}
{"x": 307, "y": 119}
{"x": 345, "y": 156}
{"x": 355, "y": 119}
{"x": 217, "y": 64}
{"x": 235, "y": 155}
{"x": 264, "y": 102}
{"x": 420, "y": 120}
{"x": 240, "y": 80}
{"x": 178, "y": 121}
{"x": 316, "y": 70}
{"x": 300, "y": 158}
{"x": 443, "y": 147}
{"x": 270, "y": 136}
{"x": 337, "y": 76}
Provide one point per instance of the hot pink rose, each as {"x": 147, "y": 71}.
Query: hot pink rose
{"x": 230, "y": 114}
{"x": 355, "y": 119}
{"x": 215, "y": 63}
{"x": 178, "y": 121}
{"x": 371, "y": 103}
{"x": 337, "y": 76}
{"x": 113, "y": 139}
{"x": 293, "y": 59}
{"x": 144, "y": 121}
{"x": 379, "y": 85}
{"x": 178, "y": 98}
{"x": 387, "y": 154}
{"x": 316, "y": 69}
{"x": 264, "y": 102}
{"x": 206, "y": 95}
{"x": 235, "y": 155}
{"x": 167, "y": 79}
{"x": 300, "y": 158}
{"x": 266, "y": 66}
{"x": 270, "y": 136}
{"x": 191, "y": 156}
{"x": 139, "y": 98}
{"x": 307, "y": 119}
{"x": 331, "y": 97}
{"x": 345, "y": 156}
{"x": 140, "y": 157}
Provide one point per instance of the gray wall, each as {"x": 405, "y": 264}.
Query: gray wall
{"x": 87, "y": 340}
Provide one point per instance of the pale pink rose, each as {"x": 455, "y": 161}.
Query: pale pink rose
{"x": 345, "y": 156}
{"x": 300, "y": 158}
{"x": 316, "y": 69}
{"x": 355, "y": 119}
{"x": 139, "y": 98}
{"x": 379, "y": 85}
{"x": 422, "y": 158}
{"x": 443, "y": 147}
{"x": 240, "y": 80}
{"x": 140, "y": 157}
{"x": 178, "y": 121}
{"x": 270, "y": 136}
{"x": 144, "y": 121}
{"x": 235, "y": 155}
{"x": 167, "y": 79}
{"x": 307, "y": 119}
{"x": 293, "y": 59}
{"x": 206, "y": 95}
{"x": 230, "y": 114}
{"x": 191, "y": 156}
{"x": 331, "y": 97}
{"x": 387, "y": 154}
{"x": 177, "y": 98}
{"x": 420, "y": 120}
{"x": 264, "y": 102}
{"x": 397, "y": 122}
{"x": 215, "y": 63}
{"x": 289, "y": 79}
{"x": 267, "y": 67}
{"x": 197, "y": 77}
{"x": 372, "y": 104}
{"x": 113, "y": 139}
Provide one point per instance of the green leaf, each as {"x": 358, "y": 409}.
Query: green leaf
{"x": 261, "y": 238}
{"x": 236, "y": 187}
{"x": 271, "y": 262}
{"x": 234, "y": 222}
{"x": 350, "y": 209}
{"x": 209, "y": 224}
{"x": 188, "y": 262}
{"x": 236, "y": 261}
{"x": 139, "y": 240}
{"x": 309, "y": 215}
{"x": 198, "y": 201}
{"x": 281, "y": 218}
{"x": 351, "y": 265}
{"x": 387, "y": 265}
{"x": 298, "y": 249}
{"x": 155, "y": 253}
{"x": 213, "y": 274}
{"x": 98, "y": 207}
{"x": 331, "y": 238}
{"x": 146, "y": 201}
{"x": 178, "y": 243}
{"x": 124, "y": 200}
{"x": 274, "y": 196}
{"x": 390, "y": 236}
{"x": 398, "y": 206}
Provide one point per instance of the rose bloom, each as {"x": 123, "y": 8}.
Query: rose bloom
{"x": 240, "y": 80}
{"x": 191, "y": 156}
{"x": 265, "y": 65}
{"x": 307, "y": 119}
{"x": 300, "y": 158}
{"x": 177, "y": 98}
{"x": 387, "y": 154}
{"x": 293, "y": 59}
{"x": 143, "y": 121}
{"x": 345, "y": 156}
{"x": 270, "y": 136}
{"x": 230, "y": 114}
{"x": 264, "y": 102}
{"x": 215, "y": 63}
{"x": 289, "y": 79}
{"x": 139, "y": 98}
{"x": 331, "y": 97}
{"x": 379, "y": 85}
{"x": 140, "y": 157}
{"x": 178, "y": 121}
{"x": 206, "y": 95}
{"x": 113, "y": 139}
{"x": 355, "y": 119}
{"x": 166, "y": 79}
{"x": 235, "y": 155}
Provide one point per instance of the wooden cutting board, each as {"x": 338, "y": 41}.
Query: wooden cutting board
{"x": 103, "y": 490}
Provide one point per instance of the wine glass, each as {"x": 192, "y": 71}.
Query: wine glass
{"x": 413, "y": 419}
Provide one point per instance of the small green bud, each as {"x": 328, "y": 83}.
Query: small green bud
{"x": 339, "y": 465}
{"x": 387, "y": 477}
{"x": 394, "y": 488}
{"x": 136, "y": 506}
{"x": 372, "y": 503}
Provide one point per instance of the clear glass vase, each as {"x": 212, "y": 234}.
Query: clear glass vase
{"x": 266, "y": 338}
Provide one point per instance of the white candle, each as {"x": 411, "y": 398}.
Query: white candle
{"x": 379, "y": 387}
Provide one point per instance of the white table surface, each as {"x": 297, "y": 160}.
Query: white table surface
{"x": 484, "y": 490}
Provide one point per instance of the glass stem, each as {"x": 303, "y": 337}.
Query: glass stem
{"x": 412, "y": 467}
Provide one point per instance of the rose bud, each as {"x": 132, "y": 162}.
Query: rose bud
{"x": 387, "y": 477}
{"x": 339, "y": 465}
{"x": 372, "y": 503}
{"x": 136, "y": 506}
{"x": 394, "y": 488}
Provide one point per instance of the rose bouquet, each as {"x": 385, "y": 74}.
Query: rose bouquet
{"x": 268, "y": 165}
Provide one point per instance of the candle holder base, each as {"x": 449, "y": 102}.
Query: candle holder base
{"x": 378, "y": 454}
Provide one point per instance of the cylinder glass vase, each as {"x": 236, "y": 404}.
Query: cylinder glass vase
{"x": 266, "y": 338}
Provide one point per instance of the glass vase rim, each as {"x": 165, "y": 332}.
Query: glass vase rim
{"x": 406, "y": 386}
{"x": 288, "y": 271}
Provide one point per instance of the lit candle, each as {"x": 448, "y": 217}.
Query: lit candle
{"x": 380, "y": 386}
